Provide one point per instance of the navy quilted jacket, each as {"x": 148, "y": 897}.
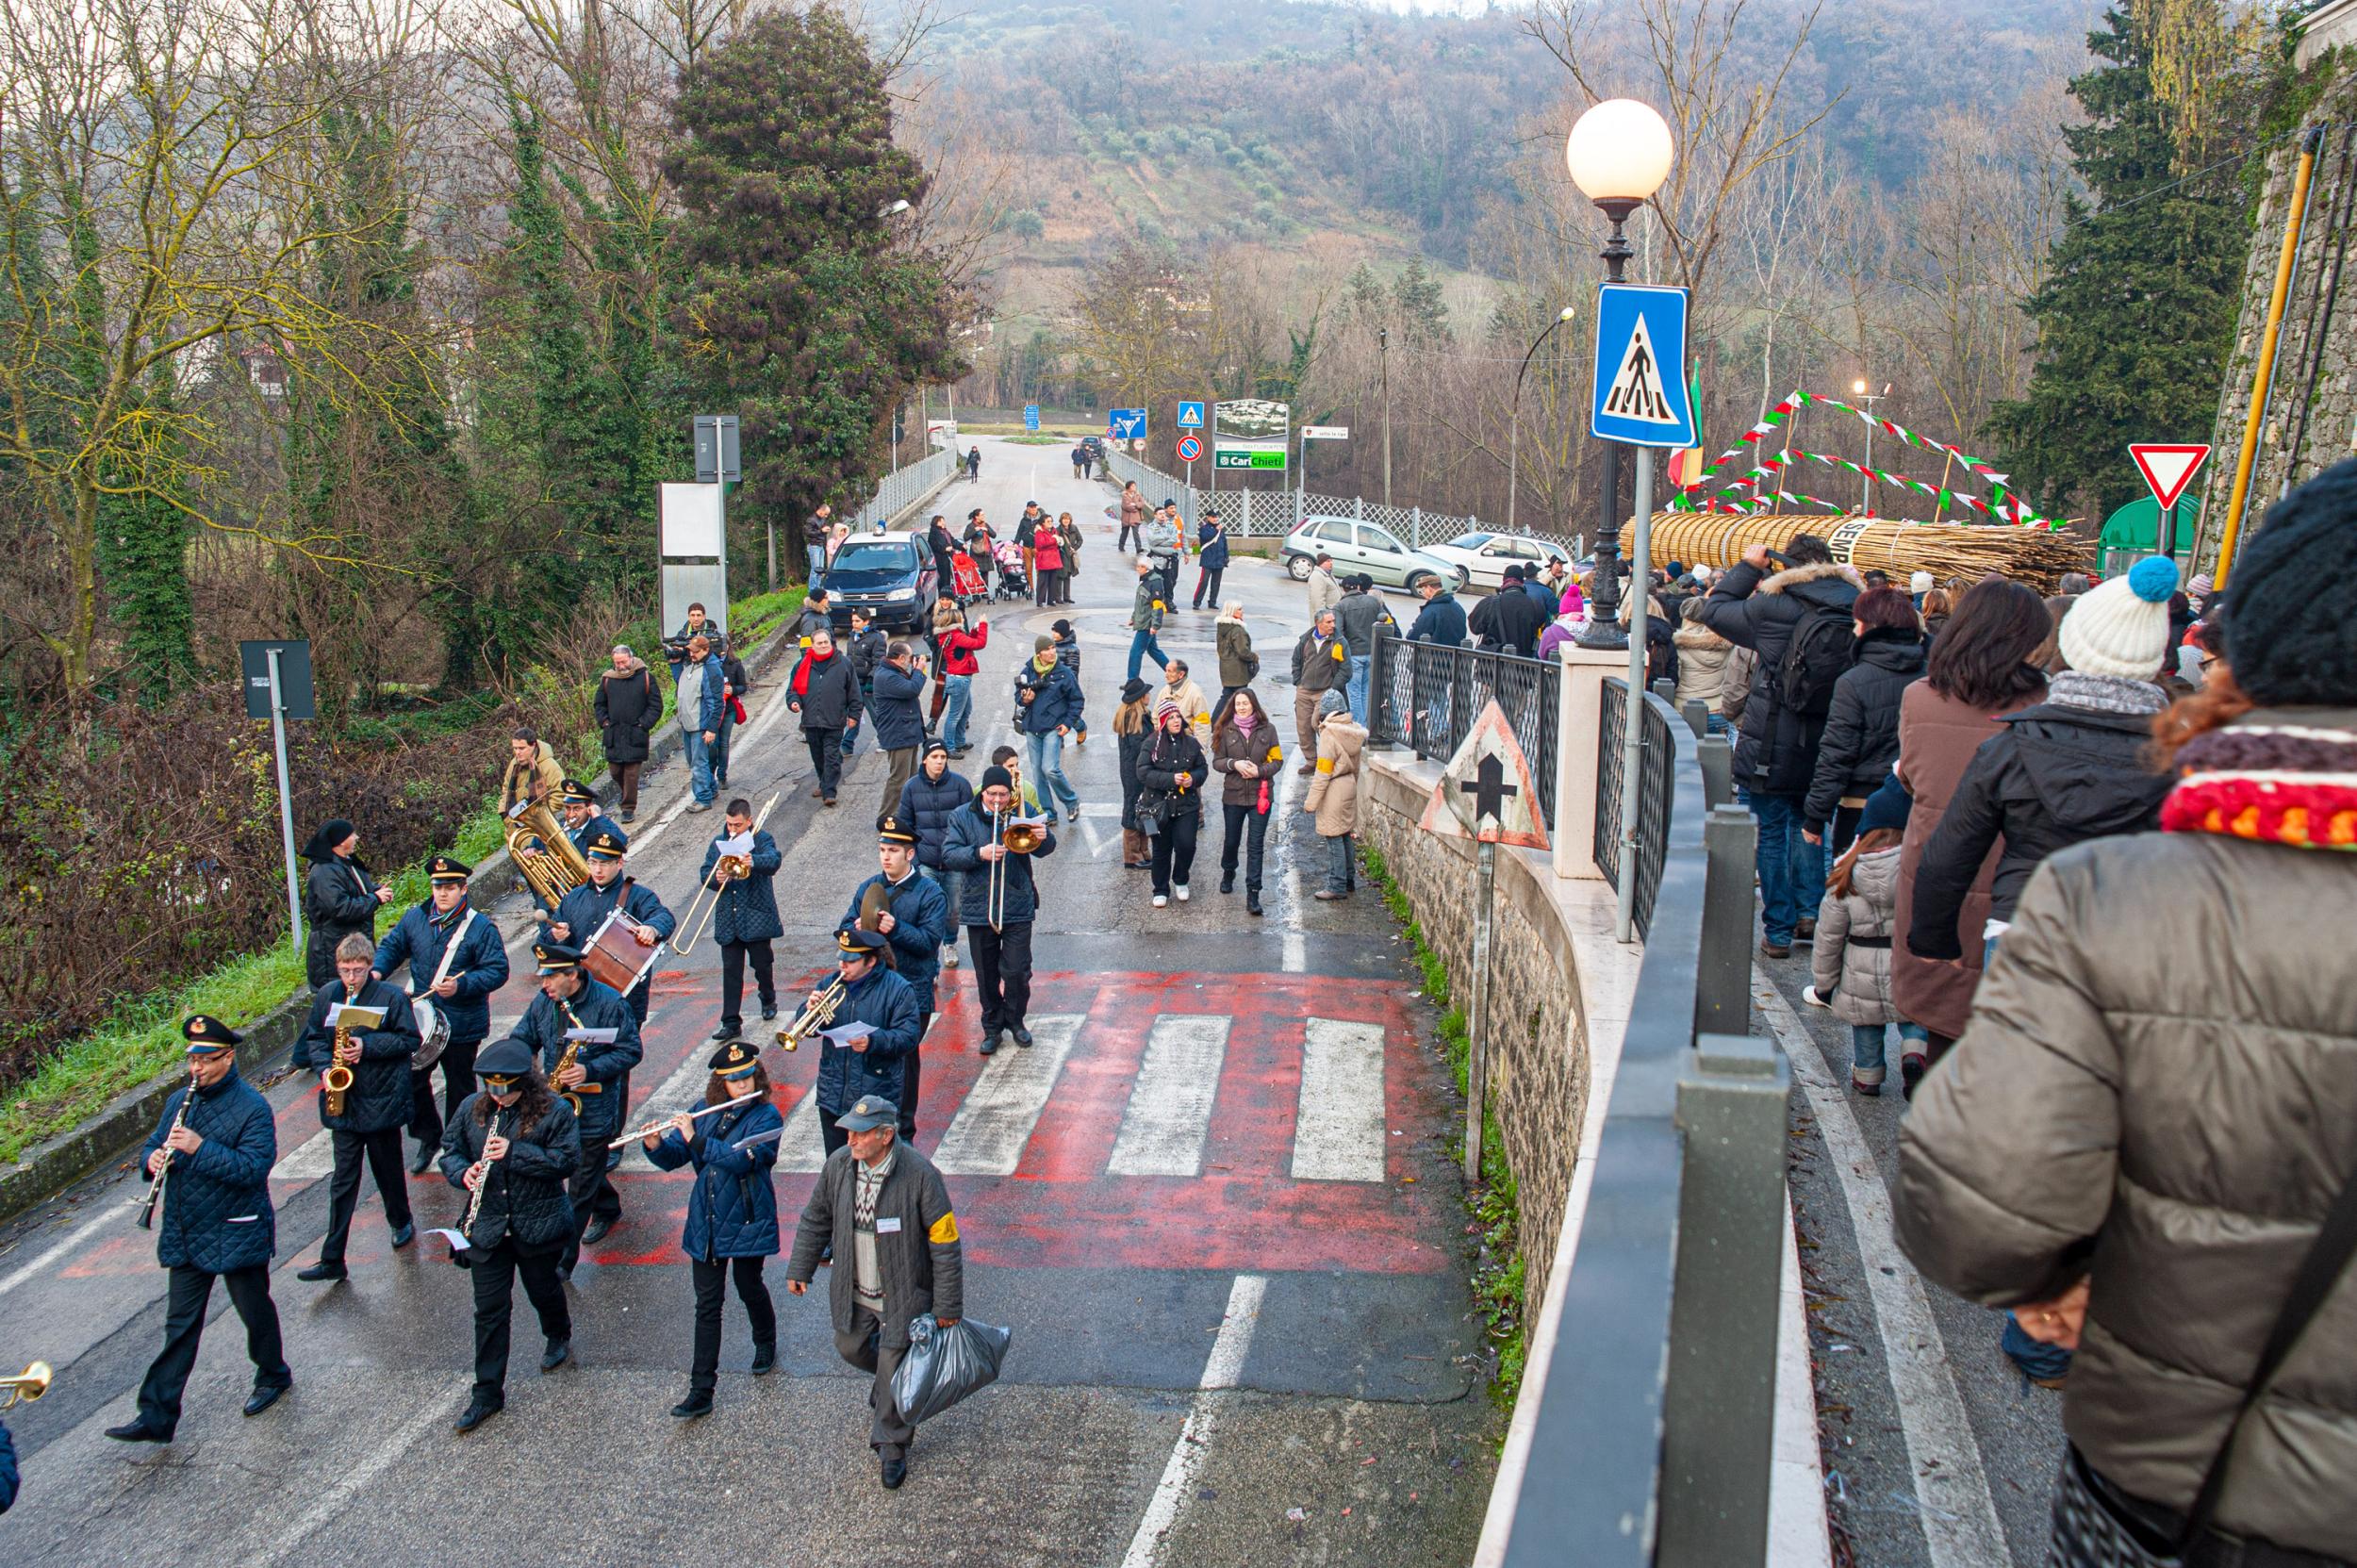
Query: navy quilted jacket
{"x": 926, "y": 806}
{"x": 884, "y": 1001}
{"x": 379, "y": 1095}
{"x": 217, "y": 1215}
{"x": 748, "y": 905}
{"x": 920, "y": 924}
{"x": 898, "y": 725}
{"x": 480, "y": 968}
{"x": 733, "y": 1211}
{"x": 525, "y": 1193}
{"x": 542, "y": 1028}
{"x": 970, "y": 831}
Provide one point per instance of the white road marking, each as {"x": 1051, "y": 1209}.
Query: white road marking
{"x": 1224, "y": 1369}
{"x": 803, "y": 1148}
{"x": 307, "y": 1161}
{"x": 1338, "y": 1133}
{"x": 988, "y": 1135}
{"x": 1169, "y": 1114}
{"x": 112, "y": 1212}
{"x": 351, "y": 1475}
{"x": 1960, "y": 1526}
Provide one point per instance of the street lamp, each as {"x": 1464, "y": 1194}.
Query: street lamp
{"x": 1619, "y": 152}
{"x": 1514, "y": 436}
{"x": 1866, "y": 480}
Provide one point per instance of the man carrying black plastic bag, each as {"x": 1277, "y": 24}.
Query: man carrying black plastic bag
{"x": 883, "y": 1209}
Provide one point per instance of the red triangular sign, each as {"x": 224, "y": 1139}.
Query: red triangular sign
{"x": 2167, "y": 467}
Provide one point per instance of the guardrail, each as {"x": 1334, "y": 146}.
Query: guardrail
{"x": 1651, "y": 1439}
{"x": 1273, "y": 513}
{"x": 1426, "y": 696}
{"x": 904, "y": 487}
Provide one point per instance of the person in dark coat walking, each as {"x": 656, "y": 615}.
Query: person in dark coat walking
{"x": 1775, "y": 751}
{"x": 881, "y": 1211}
{"x": 1171, "y": 773}
{"x": 1510, "y": 619}
{"x": 629, "y": 706}
{"x": 340, "y": 898}
{"x": 1211, "y": 558}
{"x": 822, "y": 691}
{"x": 899, "y": 686}
{"x": 519, "y": 1144}
{"x": 457, "y": 960}
{"x": 571, "y": 1005}
{"x": 1442, "y": 620}
{"x": 745, "y": 919}
{"x": 915, "y": 923}
{"x": 216, "y": 1222}
{"x": 732, "y": 1211}
{"x": 1048, "y": 705}
{"x": 927, "y": 803}
{"x": 1133, "y": 726}
{"x": 1861, "y": 735}
{"x": 852, "y": 1062}
{"x": 997, "y": 932}
{"x": 735, "y": 684}
{"x": 1068, "y": 654}
{"x": 864, "y": 645}
{"x": 363, "y": 1120}
{"x": 1246, "y": 754}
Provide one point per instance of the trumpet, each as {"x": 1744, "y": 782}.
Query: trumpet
{"x": 816, "y": 1015}
{"x": 32, "y": 1383}
{"x": 696, "y": 920}
{"x": 336, "y": 1081}
{"x": 154, "y": 1198}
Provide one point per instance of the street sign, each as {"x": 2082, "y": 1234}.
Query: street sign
{"x": 1030, "y": 417}
{"x": 294, "y": 678}
{"x": 2169, "y": 468}
{"x": 1486, "y": 792}
{"x": 1640, "y": 394}
{"x": 1190, "y": 415}
{"x": 716, "y": 449}
{"x": 1325, "y": 433}
{"x": 1126, "y": 424}
{"x": 1189, "y": 449}
{"x": 1251, "y": 432}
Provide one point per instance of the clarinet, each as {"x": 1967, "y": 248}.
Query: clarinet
{"x": 474, "y": 1202}
{"x": 154, "y": 1199}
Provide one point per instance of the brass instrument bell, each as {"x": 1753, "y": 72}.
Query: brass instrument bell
{"x": 29, "y": 1384}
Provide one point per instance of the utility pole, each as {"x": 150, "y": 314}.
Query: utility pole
{"x": 1383, "y": 355}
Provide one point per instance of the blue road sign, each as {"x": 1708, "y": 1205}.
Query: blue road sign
{"x": 1030, "y": 416}
{"x": 1639, "y": 395}
{"x": 1190, "y": 415}
{"x": 1126, "y": 424}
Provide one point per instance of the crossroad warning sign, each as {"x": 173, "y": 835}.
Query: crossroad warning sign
{"x": 1487, "y": 792}
{"x": 1640, "y": 389}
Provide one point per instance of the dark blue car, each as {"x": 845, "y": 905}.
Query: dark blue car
{"x": 891, "y": 576}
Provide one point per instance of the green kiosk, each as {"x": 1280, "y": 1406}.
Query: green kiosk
{"x": 2134, "y": 532}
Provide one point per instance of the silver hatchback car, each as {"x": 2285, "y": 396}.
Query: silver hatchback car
{"x": 1367, "y": 546}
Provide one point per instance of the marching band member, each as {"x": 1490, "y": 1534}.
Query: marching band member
{"x": 1003, "y": 953}
{"x": 577, "y": 803}
{"x": 746, "y": 921}
{"x": 586, "y": 907}
{"x": 217, "y": 1221}
{"x": 367, "y": 1118}
{"x": 732, "y": 1211}
{"x": 915, "y": 922}
{"x": 457, "y": 960}
{"x": 570, "y": 1000}
{"x": 519, "y": 1143}
{"x": 870, "y": 1065}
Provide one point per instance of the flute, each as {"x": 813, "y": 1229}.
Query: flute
{"x": 649, "y": 1131}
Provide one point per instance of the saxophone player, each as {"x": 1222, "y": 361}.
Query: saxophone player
{"x": 217, "y": 1222}
{"x": 591, "y": 1071}
{"x": 365, "y": 1119}
{"x": 513, "y": 1144}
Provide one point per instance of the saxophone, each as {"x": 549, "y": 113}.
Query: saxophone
{"x": 573, "y": 1051}
{"x": 336, "y": 1081}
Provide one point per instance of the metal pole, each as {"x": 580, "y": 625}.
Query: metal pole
{"x": 286, "y": 805}
{"x": 2167, "y": 537}
{"x": 1633, "y": 727}
{"x": 2263, "y": 374}
{"x": 1866, "y": 480}
{"x": 1513, "y": 454}
{"x": 1477, "y": 1010}
{"x": 1603, "y": 628}
{"x": 1383, "y": 355}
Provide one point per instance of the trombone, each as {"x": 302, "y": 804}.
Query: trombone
{"x": 32, "y": 1383}
{"x": 816, "y": 1015}
{"x": 1017, "y": 839}
{"x": 728, "y": 869}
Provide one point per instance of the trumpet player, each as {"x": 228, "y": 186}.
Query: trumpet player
{"x": 746, "y": 920}
{"x": 913, "y": 923}
{"x": 997, "y": 902}
{"x": 852, "y": 1064}
{"x": 457, "y": 960}
{"x": 595, "y": 1074}
{"x": 732, "y": 1211}
{"x": 217, "y": 1223}
{"x": 519, "y": 1145}
{"x": 363, "y": 1120}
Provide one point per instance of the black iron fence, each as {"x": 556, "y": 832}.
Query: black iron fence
{"x": 1427, "y": 698}
{"x": 1662, "y": 729}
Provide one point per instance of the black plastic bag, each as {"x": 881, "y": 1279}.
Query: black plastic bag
{"x": 944, "y": 1365}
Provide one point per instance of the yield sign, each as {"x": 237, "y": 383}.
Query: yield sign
{"x": 1485, "y": 791}
{"x": 2169, "y": 468}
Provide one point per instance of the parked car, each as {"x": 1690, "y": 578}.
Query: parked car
{"x": 1366, "y": 547}
{"x": 892, "y": 576}
{"x": 1485, "y": 556}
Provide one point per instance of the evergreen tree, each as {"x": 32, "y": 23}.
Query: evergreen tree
{"x": 2137, "y": 309}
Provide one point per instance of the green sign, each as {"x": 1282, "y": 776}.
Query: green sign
{"x": 1250, "y": 459}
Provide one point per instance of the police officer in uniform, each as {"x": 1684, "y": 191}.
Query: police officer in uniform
{"x": 367, "y": 1123}
{"x": 423, "y": 941}
{"x": 915, "y": 923}
{"x": 217, "y": 1222}
{"x": 570, "y": 1000}
{"x": 518, "y": 1142}
{"x": 869, "y": 1066}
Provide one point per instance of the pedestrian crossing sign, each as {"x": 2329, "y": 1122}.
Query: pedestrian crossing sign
{"x": 1640, "y": 395}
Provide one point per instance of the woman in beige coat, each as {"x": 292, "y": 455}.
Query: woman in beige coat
{"x": 1334, "y": 794}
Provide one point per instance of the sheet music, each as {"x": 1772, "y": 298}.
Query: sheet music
{"x": 457, "y": 1242}
{"x": 740, "y": 845}
{"x": 343, "y": 1014}
{"x": 846, "y": 1035}
{"x": 593, "y": 1037}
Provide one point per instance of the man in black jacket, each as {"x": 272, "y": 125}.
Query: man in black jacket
{"x": 1510, "y": 619}
{"x": 628, "y": 709}
{"x": 1860, "y": 740}
{"x": 823, "y": 692}
{"x": 363, "y": 1119}
{"x": 1775, "y": 755}
{"x": 571, "y": 1007}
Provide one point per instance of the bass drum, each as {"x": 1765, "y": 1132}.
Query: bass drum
{"x": 433, "y": 1033}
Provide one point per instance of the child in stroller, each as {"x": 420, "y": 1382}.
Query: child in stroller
{"x": 1014, "y": 582}
{"x": 965, "y": 580}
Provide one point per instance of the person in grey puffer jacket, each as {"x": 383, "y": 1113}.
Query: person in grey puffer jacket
{"x": 2152, "y": 1115}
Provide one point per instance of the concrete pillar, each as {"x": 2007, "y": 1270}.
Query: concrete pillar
{"x": 1579, "y": 714}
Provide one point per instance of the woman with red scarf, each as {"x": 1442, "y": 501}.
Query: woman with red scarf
{"x": 824, "y": 693}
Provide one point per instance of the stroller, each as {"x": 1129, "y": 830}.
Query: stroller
{"x": 966, "y": 579}
{"x": 1014, "y": 582}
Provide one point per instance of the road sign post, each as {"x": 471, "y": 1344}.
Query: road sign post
{"x": 1030, "y": 418}
{"x": 277, "y": 680}
{"x": 1190, "y": 415}
{"x": 1126, "y": 424}
{"x": 2169, "y": 468}
{"x": 1190, "y": 449}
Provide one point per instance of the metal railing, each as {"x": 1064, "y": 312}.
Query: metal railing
{"x": 904, "y": 487}
{"x": 1273, "y": 513}
{"x": 1654, "y": 800}
{"x": 1427, "y": 697}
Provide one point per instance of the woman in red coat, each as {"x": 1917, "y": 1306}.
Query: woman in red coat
{"x": 1046, "y": 561}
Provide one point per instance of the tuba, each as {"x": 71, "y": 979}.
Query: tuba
{"x": 537, "y": 845}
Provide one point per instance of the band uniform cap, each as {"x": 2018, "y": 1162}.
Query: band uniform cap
{"x": 605, "y": 844}
{"x": 206, "y": 1033}
{"x": 867, "y": 1113}
{"x": 573, "y": 792}
{"x": 448, "y": 868}
{"x": 556, "y": 958}
{"x": 735, "y": 1059}
{"x": 889, "y": 831}
{"x": 854, "y": 940}
{"x": 502, "y": 1061}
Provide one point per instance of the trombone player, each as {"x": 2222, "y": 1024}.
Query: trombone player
{"x": 915, "y": 922}
{"x": 218, "y": 1138}
{"x": 588, "y": 1071}
{"x": 998, "y": 901}
{"x": 745, "y": 916}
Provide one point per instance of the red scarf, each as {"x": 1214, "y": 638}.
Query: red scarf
{"x": 2270, "y": 783}
{"x": 801, "y": 671}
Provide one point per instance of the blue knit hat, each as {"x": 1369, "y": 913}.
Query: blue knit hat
{"x": 1887, "y": 807}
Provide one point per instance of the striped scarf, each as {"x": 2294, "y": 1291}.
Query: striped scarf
{"x": 2270, "y": 783}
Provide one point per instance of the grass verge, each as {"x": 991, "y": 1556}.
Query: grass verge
{"x": 1494, "y": 1202}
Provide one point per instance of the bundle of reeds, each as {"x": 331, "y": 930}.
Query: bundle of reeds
{"x": 2033, "y": 555}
